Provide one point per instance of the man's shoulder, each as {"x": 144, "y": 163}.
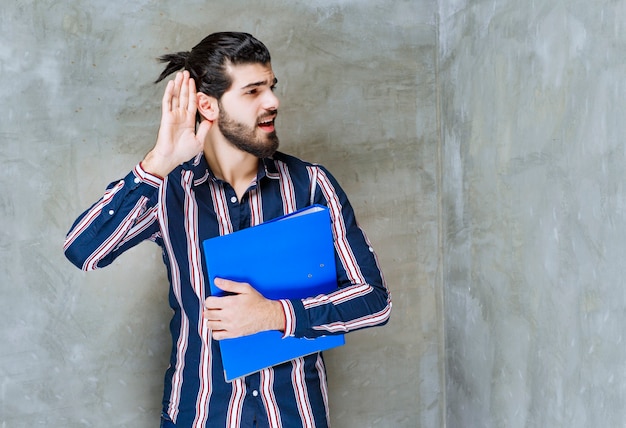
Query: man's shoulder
{"x": 293, "y": 161}
{"x": 197, "y": 166}
{"x": 282, "y": 164}
{"x": 289, "y": 159}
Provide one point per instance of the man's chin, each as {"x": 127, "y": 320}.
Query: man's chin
{"x": 269, "y": 151}
{"x": 269, "y": 147}
{"x": 266, "y": 150}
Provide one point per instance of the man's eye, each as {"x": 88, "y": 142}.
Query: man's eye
{"x": 251, "y": 92}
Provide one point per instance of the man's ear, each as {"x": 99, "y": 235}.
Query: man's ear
{"x": 207, "y": 106}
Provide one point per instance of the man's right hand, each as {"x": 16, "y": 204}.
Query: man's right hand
{"x": 178, "y": 140}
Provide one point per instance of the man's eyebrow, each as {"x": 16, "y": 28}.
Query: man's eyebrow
{"x": 261, "y": 83}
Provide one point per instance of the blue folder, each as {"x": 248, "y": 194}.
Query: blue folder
{"x": 290, "y": 257}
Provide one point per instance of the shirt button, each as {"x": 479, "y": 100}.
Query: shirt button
{"x": 111, "y": 212}
{"x": 255, "y": 393}
{"x": 233, "y": 199}
{"x": 137, "y": 180}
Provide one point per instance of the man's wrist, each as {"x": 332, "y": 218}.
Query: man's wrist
{"x": 155, "y": 165}
{"x": 279, "y": 318}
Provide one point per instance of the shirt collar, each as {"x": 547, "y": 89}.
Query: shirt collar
{"x": 202, "y": 172}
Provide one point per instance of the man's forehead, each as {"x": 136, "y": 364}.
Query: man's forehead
{"x": 246, "y": 75}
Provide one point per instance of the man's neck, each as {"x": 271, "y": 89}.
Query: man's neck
{"x": 231, "y": 165}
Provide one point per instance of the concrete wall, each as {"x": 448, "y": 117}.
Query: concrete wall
{"x": 532, "y": 97}
{"x": 479, "y": 141}
{"x": 358, "y": 90}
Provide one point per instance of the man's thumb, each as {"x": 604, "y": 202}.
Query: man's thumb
{"x": 203, "y": 130}
{"x": 229, "y": 286}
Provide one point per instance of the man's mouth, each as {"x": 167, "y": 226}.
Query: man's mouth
{"x": 267, "y": 124}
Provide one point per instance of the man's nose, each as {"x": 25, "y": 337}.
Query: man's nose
{"x": 270, "y": 101}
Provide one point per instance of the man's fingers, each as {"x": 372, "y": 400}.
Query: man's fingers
{"x": 176, "y": 90}
{"x": 183, "y": 97}
{"x": 220, "y": 334}
{"x": 192, "y": 98}
{"x": 216, "y": 325}
{"x": 171, "y": 94}
{"x": 213, "y": 303}
{"x": 180, "y": 99}
{"x": 232, "y": 286}
{"x": 211, "y": 315}
{"x": 166, "y": 103}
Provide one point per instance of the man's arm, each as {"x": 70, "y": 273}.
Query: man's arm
{"x": 362, "y": 299}
{"x": 127, "y": 212}
{"x": 124, "y": 216}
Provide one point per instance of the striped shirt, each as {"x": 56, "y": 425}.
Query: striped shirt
{"x": 190, "y": 205}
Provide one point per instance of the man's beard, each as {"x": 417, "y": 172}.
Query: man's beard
{"x": 245, "y": 138}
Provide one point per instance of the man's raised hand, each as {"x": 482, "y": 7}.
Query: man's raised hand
{"x": 178, "y": 140}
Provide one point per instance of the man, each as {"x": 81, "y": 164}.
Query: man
{"x": 214, "y": 170}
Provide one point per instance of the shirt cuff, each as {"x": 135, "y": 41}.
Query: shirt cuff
{"x": 290, "y": 318}
{"x": 141, "y": 175}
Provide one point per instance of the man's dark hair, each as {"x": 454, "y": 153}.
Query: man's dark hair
{"x": 208, "y": 60}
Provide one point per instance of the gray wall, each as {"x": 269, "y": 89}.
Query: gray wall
{"x": 532, "y": 97}
{"x": 358, "y": 91}
{"x": 479, "y": 142}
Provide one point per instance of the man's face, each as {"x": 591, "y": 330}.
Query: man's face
{"x": 247, "y": 111}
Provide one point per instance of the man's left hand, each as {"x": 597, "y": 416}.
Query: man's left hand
{"x": 241, "y": 313}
